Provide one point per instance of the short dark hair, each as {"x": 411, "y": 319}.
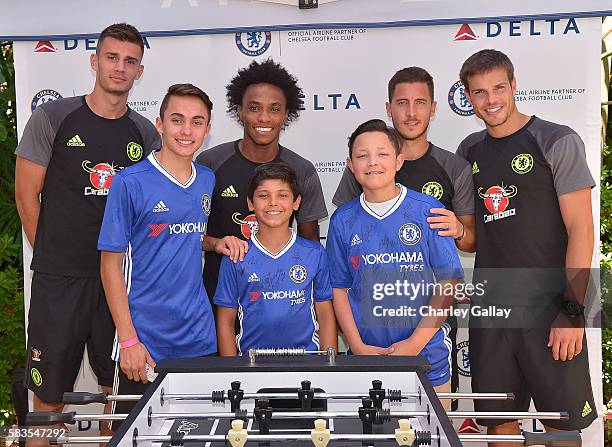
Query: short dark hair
{"x": 274, "y": 171}
{"x": 185, "y": 90}
{"x": 483, "y": 62}
{"x": 376, "y": 125}
{"x": 123, "y": 32}
{"x": 411, "y": 75}
{"x": 266, "y": 72}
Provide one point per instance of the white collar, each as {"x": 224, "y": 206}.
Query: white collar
{"x": 398, "y": 202}
{"x": 282, "y": 251}
{"x": 153, "y": 159}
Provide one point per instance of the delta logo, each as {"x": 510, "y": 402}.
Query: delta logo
{"x": 465, "y": 33}
{"x": 177, "y": 228}
{"x": 44, "y": 46}
{"x": 469, "y": 426}
{"x": 518, "y": 28}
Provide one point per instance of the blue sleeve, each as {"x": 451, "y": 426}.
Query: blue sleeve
{"x": 337, "y": 256}
{"x": 443, "y": 256}
{"x": 117, "y": 224}
{"x": 321, "y": 285}
{"x": 226, "y": 294}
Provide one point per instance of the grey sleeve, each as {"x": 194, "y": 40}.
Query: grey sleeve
{"x": 567, "y": 160}
{"x": 463, "y": 200}
{"x": 347, "y": 189}
{"x": 36, "y": 143}
{"x": 149, "y": 133}
{"x": 462, "y": 150}
{"x": 152, "y": 139}
{"x": 312, "y": 206}
{"x": 201, "y": 159}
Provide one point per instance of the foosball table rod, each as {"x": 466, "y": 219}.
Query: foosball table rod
{"x": 237, "y": 436}
{"x": 51, "y": 418}
{"x": 81, "y": 398}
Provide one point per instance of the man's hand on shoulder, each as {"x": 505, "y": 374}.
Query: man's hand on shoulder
{"x": 233, "y": 247}
{"x": 446, "y": 222}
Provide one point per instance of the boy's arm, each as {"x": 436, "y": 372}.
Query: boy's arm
{"x": 134, "y": 358}
{"x": 328, "y": 330}
{"x": 429, "y": 324}
{"x": 226, "y": 333}
{"x": 349, "y": 328}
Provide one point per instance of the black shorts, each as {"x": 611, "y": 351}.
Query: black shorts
{"x": 519, "y": 361}
{"x": 452, "y": 322}
{"x": 66, "y": 314}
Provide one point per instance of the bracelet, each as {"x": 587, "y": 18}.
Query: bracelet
{"x": 462, "y": 232}
{"x": 129, "y": 343}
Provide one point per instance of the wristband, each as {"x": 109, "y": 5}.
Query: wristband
{"x": 129, "y": 343}
{"x": 462, "y": 232}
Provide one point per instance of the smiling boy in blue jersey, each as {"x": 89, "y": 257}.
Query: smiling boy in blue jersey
{"x": 151, "y": 243}
{"x": 281, "y": 291}
{"x": 383, "y": 235}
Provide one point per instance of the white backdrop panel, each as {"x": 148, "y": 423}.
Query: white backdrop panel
{"x": 344, "y": 75}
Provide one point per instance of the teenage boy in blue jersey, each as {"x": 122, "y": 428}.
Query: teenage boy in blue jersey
{"x": 381, "y": 237}
{"x": 151, "y": 243}
{"x": 281, "y": 291}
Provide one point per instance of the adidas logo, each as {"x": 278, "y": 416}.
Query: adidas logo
{"x": 253, "y": 277}
{"x": 356, "y": 240}
{"x": 586, "y": 410}
{"x": 75, "y": 142}
{"x": 229, "y": 192}
{"x": 475, "y": 169}
{"x": 160, "y": 207}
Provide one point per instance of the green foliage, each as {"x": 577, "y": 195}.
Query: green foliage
{"x": 12, "y": 332}
{"x": 9, "y": 219}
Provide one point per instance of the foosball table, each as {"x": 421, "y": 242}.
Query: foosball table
{"x": 286, "y": 397}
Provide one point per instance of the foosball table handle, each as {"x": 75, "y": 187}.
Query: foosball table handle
{"x": 404, "y": 435}
{"x": 554, "y": 439}
{"x": 237, "y": 435}
{"x": 320, "y": 434}
{"x": 82, "y": 398}
{"x": 49, "y": 418}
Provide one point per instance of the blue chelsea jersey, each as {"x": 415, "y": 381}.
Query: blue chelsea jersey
{"x": 275, "y": 294}
{"x": 160, "y": 224}
{"x": 390, "y": 265}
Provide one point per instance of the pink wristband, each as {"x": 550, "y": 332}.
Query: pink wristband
{"x": 129, "y": 343}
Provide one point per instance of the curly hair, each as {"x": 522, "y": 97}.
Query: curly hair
{"x": 266, "y": 72}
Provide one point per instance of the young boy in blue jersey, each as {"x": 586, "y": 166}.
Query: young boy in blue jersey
{"x": 281, "y": 291}
{"x": 151, "y": 243}
{"x": 380, "y": 239}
